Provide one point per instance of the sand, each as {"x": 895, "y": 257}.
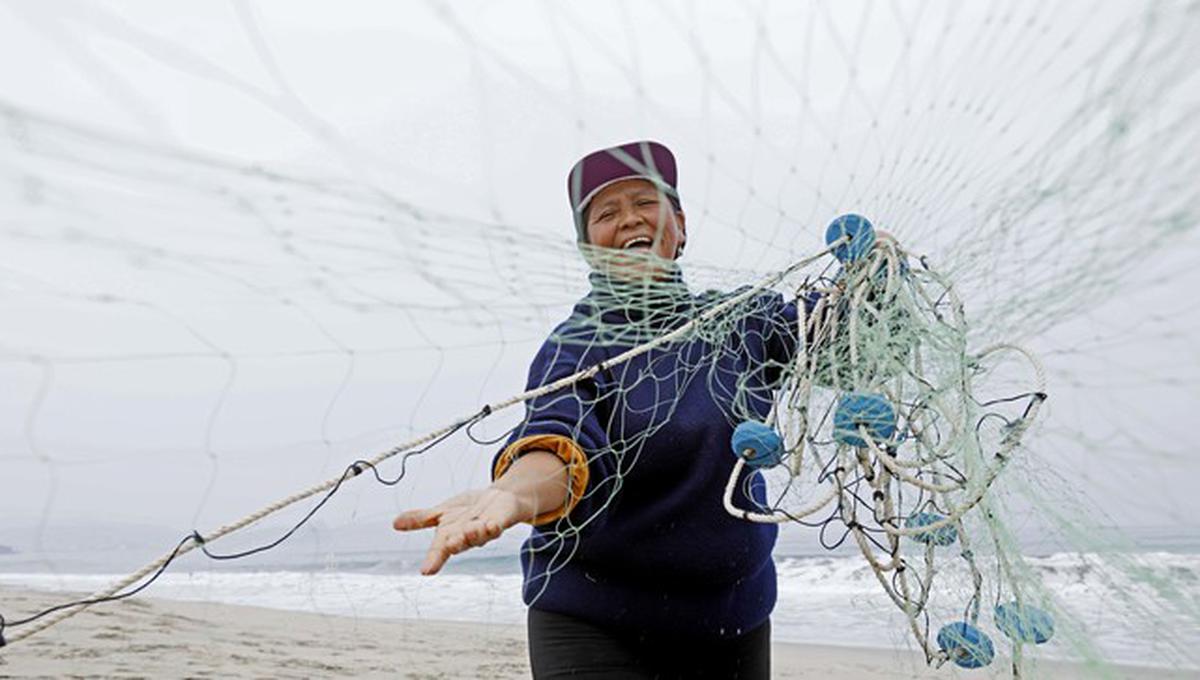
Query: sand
{"x": 149, "y": 638}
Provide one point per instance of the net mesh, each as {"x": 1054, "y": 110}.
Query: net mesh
{"x": 229, "y": 269}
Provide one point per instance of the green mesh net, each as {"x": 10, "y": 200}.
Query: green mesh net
{"x": 230, "y": 270}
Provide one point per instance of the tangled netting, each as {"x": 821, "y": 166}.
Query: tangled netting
{"x": 894, "y": 418}
{"x": 220, "y": 281}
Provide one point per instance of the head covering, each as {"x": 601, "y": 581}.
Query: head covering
{"x": 595, "y": 171}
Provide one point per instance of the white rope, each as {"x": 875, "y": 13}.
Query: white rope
{"x": 939, "y": 408}
{"x": 24, "y": 631}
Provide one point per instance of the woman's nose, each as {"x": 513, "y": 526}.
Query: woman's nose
{"x": 629, "y": 217}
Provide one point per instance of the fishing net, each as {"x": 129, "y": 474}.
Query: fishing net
{"x": 231, "y": 268}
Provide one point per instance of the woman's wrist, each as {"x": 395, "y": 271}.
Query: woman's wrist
{"x": 539, "y": 483}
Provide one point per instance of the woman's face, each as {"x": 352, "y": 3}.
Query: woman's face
{"x": 633, "y": 216}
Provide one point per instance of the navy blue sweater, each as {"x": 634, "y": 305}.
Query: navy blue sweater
{"x": 649, "y": 546}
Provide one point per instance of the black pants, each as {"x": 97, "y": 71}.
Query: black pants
{"x": 562, "y": 646}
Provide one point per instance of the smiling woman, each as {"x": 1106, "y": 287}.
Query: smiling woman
{"x": 613, "y": 471}
{"x": 634, "y": 215}
{"x": 628, "y": 217}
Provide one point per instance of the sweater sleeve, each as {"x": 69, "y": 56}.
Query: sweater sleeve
{"x": 567, "y": 423}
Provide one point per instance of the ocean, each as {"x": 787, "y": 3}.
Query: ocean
{"x": 1136, "y": 608}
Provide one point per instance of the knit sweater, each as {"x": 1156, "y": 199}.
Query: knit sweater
{"x": 647, "y": 545}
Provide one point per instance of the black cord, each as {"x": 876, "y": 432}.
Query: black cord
{"x": 487, "y": 442}
{"x": 1005, "y": 400}
{"x": 353, "y": 470}
{"x": 4, "y": 623}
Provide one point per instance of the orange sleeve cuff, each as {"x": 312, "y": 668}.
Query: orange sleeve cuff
{"x": 567, "y": 450}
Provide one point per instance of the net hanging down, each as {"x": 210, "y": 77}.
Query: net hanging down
{"x": 905, "y": 448}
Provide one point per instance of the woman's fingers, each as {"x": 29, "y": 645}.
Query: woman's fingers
{"x": 466, "y": 521}
{"x": 446, "y": 543}
{"x": 452, "y": 539}
{"x": 434, "y": 559}
{"x": 442, "y": 513}
{"x": 480, "y": 531}
{"x": 417, "y": 519}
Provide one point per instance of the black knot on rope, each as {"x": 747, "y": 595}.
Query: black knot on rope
{"x": 1041, "y": 396}
{"x": 967, "y": 554}
{"x": 852, "y": 525}
{"x": 485, "y": 411}
{"x": 3, "y": 642}
{"x": 197, "y": 538}
{"x": 356, "y": 469}
{"x": 878, "y": 495}
{"x": 901, "y": 567}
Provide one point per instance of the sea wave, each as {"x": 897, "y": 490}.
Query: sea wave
{"x": 1119, "y": 607}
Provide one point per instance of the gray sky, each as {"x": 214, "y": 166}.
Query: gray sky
{"x": 243, "y": 244}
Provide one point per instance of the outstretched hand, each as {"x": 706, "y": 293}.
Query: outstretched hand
{"x": 535, "y": 483}
{"x": 468, "y": 520}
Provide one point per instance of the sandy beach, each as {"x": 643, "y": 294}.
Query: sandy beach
{"x": 150, "y": 638}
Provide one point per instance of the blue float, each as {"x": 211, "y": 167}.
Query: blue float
{"x": 758, "y": 444}
{"x": 861, "y": 233}
{"x": 967, "y": 646}
{"x": 943, "y": 535}
{"x": 1024, "y": 623}
{"x": 870, "y": 411}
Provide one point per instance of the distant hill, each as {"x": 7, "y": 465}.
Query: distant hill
{"x": 5, "y": 550}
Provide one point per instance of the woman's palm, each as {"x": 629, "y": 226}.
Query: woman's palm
{"x": 465, "y": 521}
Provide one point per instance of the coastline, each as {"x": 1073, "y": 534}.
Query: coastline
{"x": 148, "y": 637}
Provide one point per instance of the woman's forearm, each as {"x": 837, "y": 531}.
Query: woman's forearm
{"x": 540, "y": 482}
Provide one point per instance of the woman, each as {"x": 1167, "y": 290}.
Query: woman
{"x": 633, "y": 568}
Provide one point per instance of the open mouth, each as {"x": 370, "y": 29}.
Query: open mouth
{"x": 638, "y": 243}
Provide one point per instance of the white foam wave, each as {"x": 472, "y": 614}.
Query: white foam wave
{"x": 1122, "y": 604}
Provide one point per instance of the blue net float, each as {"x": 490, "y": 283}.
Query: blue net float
{"x": 758, "y": 444}
{"x": 870, "y": 411}
{"x": 943, "y": 535}
{"x": 1024, "y": 623}
{"x": 861, "y": 233}
{"x": 966, "y": 645}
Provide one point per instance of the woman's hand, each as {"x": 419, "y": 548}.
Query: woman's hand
{"x": 468, "y": 520}
{"x": 534, "y": 484}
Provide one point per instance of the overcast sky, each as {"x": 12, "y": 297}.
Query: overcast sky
{"x": 242, "y": 244}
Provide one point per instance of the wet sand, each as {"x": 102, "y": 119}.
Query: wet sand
{"x": 151, "y": 638}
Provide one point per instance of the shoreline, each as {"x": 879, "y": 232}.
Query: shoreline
{"x": 148, "y": 637}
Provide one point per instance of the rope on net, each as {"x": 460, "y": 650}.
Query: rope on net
{"x": 34, "y": 624}
{"x": 890, "y": 342}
